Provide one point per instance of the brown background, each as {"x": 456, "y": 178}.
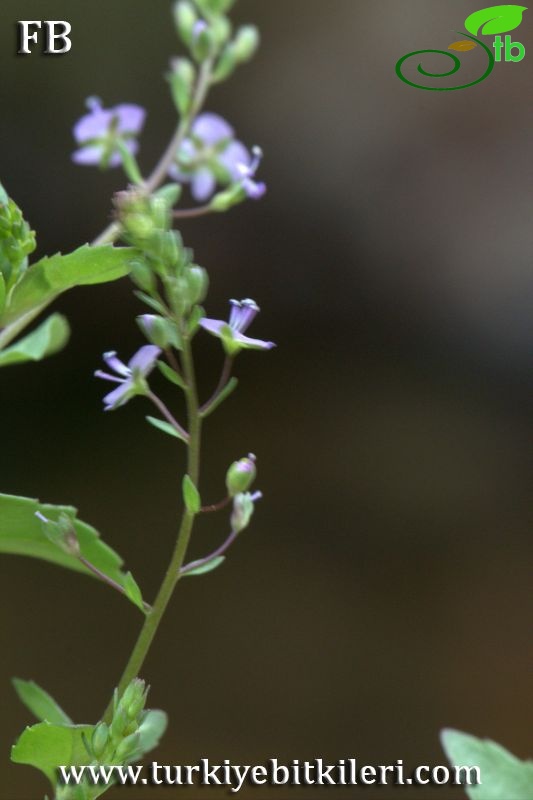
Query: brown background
{"x": 384, "y": 590}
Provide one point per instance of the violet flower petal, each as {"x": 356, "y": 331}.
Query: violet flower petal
{"x": 211, "y": 128}
{"x": 203, "y": 184}
{"x": 144, "y": 359}
{"x": 114, "y": 363}
{"x": 234, "y": 155}
{"x": 252, "y": 344}
{"x": 213, "y": 326}
{"x": 118, "y": 396}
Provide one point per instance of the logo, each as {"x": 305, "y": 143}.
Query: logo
{"x": 491, "y": 21}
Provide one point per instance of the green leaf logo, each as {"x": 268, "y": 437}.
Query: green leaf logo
{"x": 493, "y": 20}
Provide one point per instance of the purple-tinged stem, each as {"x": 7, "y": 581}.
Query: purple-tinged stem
{"x": 158, "y": 403}
{"x": 215, "y": 554}
{"x": 224, "y": 378}
{"x": 216, "y": 506}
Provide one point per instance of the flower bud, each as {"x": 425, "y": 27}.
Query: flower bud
{"x": 17, "y": 241}
{"x": 197, "y": 284}
{"x": 241, "y": 475}
{"x": 243, "y": 508}
{"x": 99, "y": 739}
{"x": 246, "y": 43}
{"x": 128, "y": 747}
{"x": 203, "y": 42}
{"x": 185, "y": 18}
{"x": 134, "y": 698}
{"x": 181, "y": 79}
{"x": 141, "y": 275}
{"x": 156, "y": 330}
{"x": 226, "y": 64}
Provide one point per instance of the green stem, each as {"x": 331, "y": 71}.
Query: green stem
{"x": 112, "y": 232}
{"x": 172, "y": 576}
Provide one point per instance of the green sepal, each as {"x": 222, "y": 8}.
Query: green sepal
{"x": 51, "y": 276}
{"x": 150, "y": 301}
{"x": 151, "y": 729}
{"x": 46, "y": 746}
{"x": 209, "y": 566}
{"x": 21, "y": 533}
{"x": 165, "y": 427}
{"x": 171, "y": 375}
{"x": 170, "y": 193}
{"x": 49, "y": 338}
{"x": 191, "y": 496}
{"x": 193, "y": 322}
{"x": 502, "y": 774}
{"x": 133, "y": 592}
{"x": 40, "y": 703}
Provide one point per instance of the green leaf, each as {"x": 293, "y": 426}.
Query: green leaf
{"x": 171, "y": 375}
{"x": 133, "y": 593}
{"x": 45, "y": 747}
{"x": 207, "y": 567}
{"x": 502, "y": 774}
{"x": 166, "y": 427}
{"x": 21, "y": 533}
{"x": 47, "y": 339}
{"x": 40, "y": 703}
{"x": 496, "y": 19}
{"x": 49, "y": 277}
{"x": 228, "y": 389}
{"x": 2, "y": 293}
{"x": 191, "y": 496}
{"x": 151, "y": 730}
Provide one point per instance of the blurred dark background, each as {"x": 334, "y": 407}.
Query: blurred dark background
{"x": 384, "y": 589}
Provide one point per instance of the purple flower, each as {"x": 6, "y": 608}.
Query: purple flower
{"x": 253, "y": 189}
{"x": 99, "y": 131}
{"x": 210, "y": 156}
{"x": 132, "y": 377}
{"x": 232, "y": 333}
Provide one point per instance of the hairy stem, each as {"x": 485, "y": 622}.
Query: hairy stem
{"x": 154, "y": 617}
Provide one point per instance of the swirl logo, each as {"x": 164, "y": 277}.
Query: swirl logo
{"x": 486, "y": 22}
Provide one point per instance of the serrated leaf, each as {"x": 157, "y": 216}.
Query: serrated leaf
{"x": 502, "y": 774}
{"x": 45, "y": 747}
{"x": 166, "y": 427}
{"x": 191, "y": 496}
{"x": 171, "y": 375}
{"x": 495, "y": 19}
{"x": 50, "y": 337}
{"x": 463, "y": 45}
{"x": 21, "y": 533}
{"x": 133, "y": 592}
{"x": 209, "y": 566}
{"x": 40, "y": 703}
{"x": 51, "y": 276}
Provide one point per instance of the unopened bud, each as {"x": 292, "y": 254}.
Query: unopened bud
{"x": 197, "y": 284}
{"x": 246, "y": 43}
{"x": 99, "y": 739}
{"x": 181, "y": 79}
{"x": 203, "y": 42}
{"x": 243, "y": 508}
{"x": 185, "y": 18}
{"x": 241, "y": 475}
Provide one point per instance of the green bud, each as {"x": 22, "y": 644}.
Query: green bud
{"x": 243, "y": 508}
{"x": 119, "y": 723}
{"x": 226, "y": 64}
{"x": 197, "y": 284}
{"x": 203, "y": 42}
{"x": 134, "y": 698}
{"x": 185, "y": 18}
{"x": 181, "y": 79}
{"x": 99, "y": 739}
{"x": 246, "y": 43}
{"x": 17, "y": 241}
{"x": 221, "y": 29}
{"x": 170, "y": 193}
{"x": 128, "y": 747}
{"x": 142, "y": 276}
{"x": 159, "y": 331}
{"x": 241, "y": 475}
